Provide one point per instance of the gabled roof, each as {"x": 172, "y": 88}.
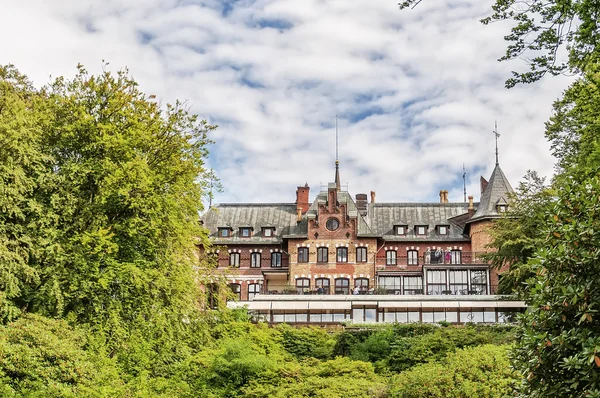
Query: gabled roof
{"x": 383, "y": 216}
{"x": 497, "y": 192}
{"x": 343, "y": 197}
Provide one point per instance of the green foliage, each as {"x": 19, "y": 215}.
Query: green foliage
{"x": 472, "y": 372}
{"x": 558, "y": 350}
{"x": 310, "y": 342}
{"x": 518, "y": 234}
{"x": 46, "y": 358}
{"x": 574, "y": 128}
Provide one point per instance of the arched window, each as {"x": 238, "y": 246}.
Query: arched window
{"x": 322, "y": 254}
{"x": 253, "y": 290}
{"x": 342, "y": 286}
{"x": 342, "y": 255}
{"x": 302, "y": 285}
{"x": 236, "y": 288}
{"x": 362, "y": 284}
{"x": 276, "y": 260}
{"x": 322, "y": 283}
{"x": 390, "y": 257}
{"x": 234, "y": 260}
{"x": 255, "y": 260}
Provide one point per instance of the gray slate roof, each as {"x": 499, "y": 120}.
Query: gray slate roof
{"x": 282, "y": 216}
{"x": 496, "y": 192}
{"x": 384, "y": 216}
{"x": 379, "y": 222}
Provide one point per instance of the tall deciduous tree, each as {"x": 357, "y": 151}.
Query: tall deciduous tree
{"x": 100, "y": 188}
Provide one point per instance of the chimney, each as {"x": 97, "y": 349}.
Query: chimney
{"x": 361, "y": 203}
{"x": 441, "y": 196}
{"x": 302, "y": 194}
{"x": 445, "y": 196}
{"x": 483, "y": 183}
{"x": 372, "y": 196}
{"x": 471, "y": 207}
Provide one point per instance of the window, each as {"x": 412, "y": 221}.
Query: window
{"x": 234, "y": 259}
{"x": 413, "y": 285}
{"x": 390, "y": 257}
{"x": 212, "y": 296}
{"x": 412, "y": 257}
{"x": 501, "y": 208}
{"x": 455, "y": 257}
{"x": 342, "y": 255}
{"x": 478, "y": 282}
{"x": 224, "y": 232}
{"x": 303, "y": 254}
{"x": 332, "y": 224}
{"x": 392, "y": 284}
{"x": 342, "y": 286}
{"x": 255, "y": 260}
{"x": 322, "y": 254}
{"x": 253, "y": 290}
{"x": 443, "y": 230}
{"x": 267, "y": 232}
{"x": 276, "y": 260}
{"x": 421, "y": 229}
{"x": 400, "y": 230}
{"x": 458, "y": 281}
{"x": 302, "y": 285}
{"x": 236, "y": 288}
{"x": 245, "y": 232}
{"x": 361, "y": 254}
{"x": 436, "y": 282}
{"x": 362, "y": 284}
{"x": 435, "y": 256}
{"x": 323, "y": 284}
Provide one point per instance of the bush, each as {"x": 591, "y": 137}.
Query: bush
{"x": 472, "y": 372}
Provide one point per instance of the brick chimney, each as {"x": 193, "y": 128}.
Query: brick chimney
{"x": 302, "y": 202}
{"x": 372, "y": 196}
{"x": 483, "y": 183}
{"x": 443, "y": 196}
{"x": 471, "y": 206}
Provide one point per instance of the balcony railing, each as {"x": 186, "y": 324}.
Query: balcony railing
{"x": 407, "y": 290}
{"x": 434, "y": 257}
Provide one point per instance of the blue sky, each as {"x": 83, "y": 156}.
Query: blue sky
{"x": 417, "y": 91}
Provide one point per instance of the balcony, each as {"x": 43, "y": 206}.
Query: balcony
{"x": 408, "y": 290}
{"x": 448, "y": 257}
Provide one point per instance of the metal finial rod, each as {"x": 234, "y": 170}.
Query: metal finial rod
{"x": 337, "y": 158}
{"x": 496, "y": 135}
{"x": 464, "y": 183}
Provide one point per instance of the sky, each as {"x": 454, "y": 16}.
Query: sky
{"x": 416, "y": 92}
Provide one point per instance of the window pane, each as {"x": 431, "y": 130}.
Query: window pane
{"x": 427, "y": 317}
{"x": 456, "y": 257}
{"x": 303, "y": 254}
{"x": 370, "y": 315}
{"x": 342, "y": 254}
{"x": 361, "y": 254}
{"x": 413, "y": 316}
{"x": 358, "y": 314}
{"x": 275, "y": 259}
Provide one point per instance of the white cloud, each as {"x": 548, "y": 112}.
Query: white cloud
{"x": 417, "y": 91}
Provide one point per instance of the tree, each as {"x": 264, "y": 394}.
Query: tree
{"x": 542, "y": 30}
{"x": 517, "y": 235}
{"x": 102, "y": 187}
{"x": 558, "y": 350}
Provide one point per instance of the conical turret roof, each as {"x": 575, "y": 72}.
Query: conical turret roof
{"x": 496, "y": 193}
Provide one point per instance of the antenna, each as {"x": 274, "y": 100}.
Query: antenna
{"x": 464, "y": 184}
{"x": 496, "y": 135}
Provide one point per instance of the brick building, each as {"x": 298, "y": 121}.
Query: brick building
{"x": 352, "y": 247}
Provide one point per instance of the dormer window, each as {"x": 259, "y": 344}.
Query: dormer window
{"x": 443, "y": 230}
{"x": 267, "y": 232}
{"x": 245, "y": 232}
{"x": 421, "y": 230}
{"x": 501, "y": 208}
{"x": 224, "y": 232}
{"x": 400, "y": 229}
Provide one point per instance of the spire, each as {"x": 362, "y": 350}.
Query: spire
{"x": 496, "y": 135}
{"x": 337, "y": 161}
{"x": 497, "y": 192}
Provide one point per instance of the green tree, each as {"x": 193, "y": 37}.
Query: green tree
{"x": 542, "y": 30}
{"x": 558, "y": 350}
